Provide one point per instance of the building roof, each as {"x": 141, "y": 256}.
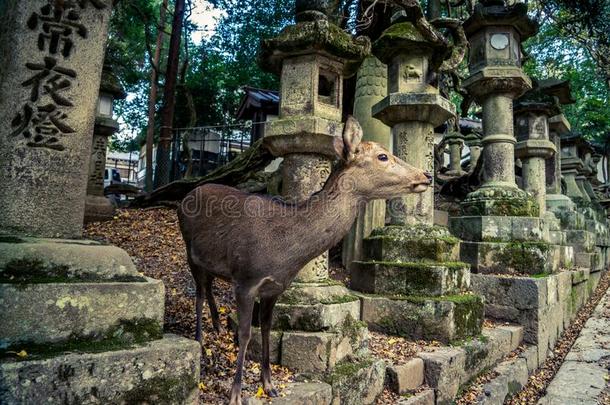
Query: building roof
{"x": 256, "y": 100}
{"x": 122, "y": 155}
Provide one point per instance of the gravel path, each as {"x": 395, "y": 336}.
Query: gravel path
{"x": 583, "y": 377}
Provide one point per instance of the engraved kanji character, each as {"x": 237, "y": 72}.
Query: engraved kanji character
{"x": 51, "y": 80}
{"x": 58, "y": 25}
{"x": 42, "y": 127}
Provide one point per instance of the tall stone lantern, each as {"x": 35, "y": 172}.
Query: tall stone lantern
{"x": 532, "y": 112}
{"x": 312, "y": 57}
{"x": 500, "y": 223}
{"x": 495, "y": 33}
{"x": 97, "y": 206}
{"x": 412, "y": 257}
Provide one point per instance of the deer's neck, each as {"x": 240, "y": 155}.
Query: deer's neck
{"x": 327, "y": 216}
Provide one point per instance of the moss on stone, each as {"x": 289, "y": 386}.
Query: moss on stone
{"x": 162, "y": 390}
{"x": 352, "y": 328}
{"x": 124, "y": 335}
{"x": 38, "y": 271}
{"x": 346, "y": 370}
{"x": 468, "y": 316}
{"x": 523, "y": 257}
{"x": 10, "y": 239}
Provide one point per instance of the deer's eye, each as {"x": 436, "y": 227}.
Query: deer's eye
{"x": 383, "y": 157}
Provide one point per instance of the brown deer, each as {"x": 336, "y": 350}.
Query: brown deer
{"x": 260, "y": 243}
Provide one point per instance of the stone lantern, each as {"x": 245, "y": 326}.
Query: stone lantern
{"x": 455, "y": 140}
{"x": 398, "y": 257}
{"x": 532, "y": 111}
{"x": 499, "y": 217}
{"x": 97, "y": 206}
{"x": 495, "y": 33}
{"x": 474, "y": 143}
{"x": 312, "y": 58}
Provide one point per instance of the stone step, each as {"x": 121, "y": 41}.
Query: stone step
{"x": 444, "y": 318}
{"x": 324, "y": 349}
{"x": 425, "y": 397}
{"x": 406, "y": 377}
{"x": 412, "y": 278}
{"x": 160, "y": 371}
{"x": 583, "y": 241}
{"x": 448, "y": 368}
{"x": 357, "y": 382}
{"x": 512, "y": 377}
{"x": 298, "y": 393}
{"x": 56, "y": 312}
{"x": 411, "y": 243}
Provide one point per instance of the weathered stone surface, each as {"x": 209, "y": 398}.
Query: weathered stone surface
{"x": 516, "y": 335}
{"x": 442, "y": 318}
{"x": 62, "y": 260}
{"x": 530, "y": 355}
{"x": 321, "y": 351}
{"x": 160, "y": 371}
{"x": 583, "y": 241}
{"x": 54, "y": 312}
{"x": 313, "y": 393}
{"x": 403, "y": 378}
{"x": 516, "y": 372}
{"x": 425, "y": 397}
{"x": 45, "y": 162}
{"x": 508, "y": 258}
{"x": 412, "y": 243}
{"x": 576, "y": 383}
{"x": 357, "y": 382}
{"x": 317, "y": 317}
{"x": 443, "y": 370}
{"x": 496, "y": 228}
{"x": 412, "y": 278}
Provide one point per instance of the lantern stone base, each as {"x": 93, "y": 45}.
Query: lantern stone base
{"x": 83, "y": 314}
{"x": 445, "y": 318}
{"x": 159, "y": 371}
{"x": 495, "y": 228}
{"x": 517, "y": 257}
{"x": 499, "y": 200}
{"x": 98, "y": 209}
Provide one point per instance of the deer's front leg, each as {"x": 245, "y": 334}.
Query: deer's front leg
{"x": 245, "y": 304}
{"x": 266, "y": 315}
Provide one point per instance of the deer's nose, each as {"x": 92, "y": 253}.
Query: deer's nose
{"x": 429, "y": 176}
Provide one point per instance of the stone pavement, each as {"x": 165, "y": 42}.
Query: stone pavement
{"x": 585, "y": 372}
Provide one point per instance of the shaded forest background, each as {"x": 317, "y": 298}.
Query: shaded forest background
{"x": 573, "y": 43}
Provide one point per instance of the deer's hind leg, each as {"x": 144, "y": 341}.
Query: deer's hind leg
{"x": 266, "y": 316}
{"x": 212, "y": 303}
{"x": 245, "y": 304}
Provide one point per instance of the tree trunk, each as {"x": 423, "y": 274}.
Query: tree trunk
{"x": 152, "y": 99}
{"x": 169, "y": 97}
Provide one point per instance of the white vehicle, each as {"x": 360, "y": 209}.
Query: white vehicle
{"x": 111, "y": 176}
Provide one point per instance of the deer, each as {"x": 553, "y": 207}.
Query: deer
{"x": 259, "y": 243}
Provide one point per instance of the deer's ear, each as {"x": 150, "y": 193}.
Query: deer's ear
{"x": 339, "y": 147}
{"x": 352, "y": 135}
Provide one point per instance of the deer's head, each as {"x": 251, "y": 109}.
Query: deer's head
{"x": 373, "y": 171}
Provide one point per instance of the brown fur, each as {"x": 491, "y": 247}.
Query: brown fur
{"x": 260, "y": 243}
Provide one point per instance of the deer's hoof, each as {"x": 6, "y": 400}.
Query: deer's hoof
{"x": 272, "y": 392}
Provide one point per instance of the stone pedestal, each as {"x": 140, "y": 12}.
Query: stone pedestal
{"x": 473, "y": 141}
{"x": 411, "y": 267}
{"x": 313, "y": 56}
{"x": 371, "y": 87}
{"x": 78, "y": 308}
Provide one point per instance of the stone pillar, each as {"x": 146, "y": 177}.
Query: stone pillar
{"x": 371, "y": 87}
{"x": 312, "y": 58}
{"x": 398, "y": 257}
{"x": 97, "y": 206}
{"x": 66, "y": 293}
{"x": 455, "y": 140}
